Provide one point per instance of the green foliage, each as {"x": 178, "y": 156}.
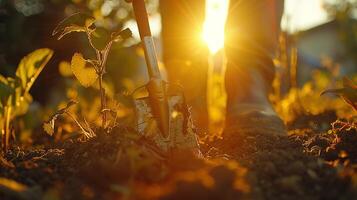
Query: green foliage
{"x": 49, "y": 126}
{"x": 90, "y": 71}
{"x": 31, "y": 66}
{"x": 307, "y": 99}
{"x": 88, "y": 107}
{"x": 14, "y": 92}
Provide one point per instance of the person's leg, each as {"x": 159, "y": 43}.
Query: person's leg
{"x": 185, "y": 56}
{"x": 251, "y": 40}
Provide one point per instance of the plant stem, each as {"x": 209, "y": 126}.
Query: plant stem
{"x": 105, "y": 55}
{"x": 103, "y": 101}
{"x": 84, "y": 131}
{"x": 102, "y": 90}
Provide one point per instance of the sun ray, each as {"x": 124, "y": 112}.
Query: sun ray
{"x": 213, "y": 28}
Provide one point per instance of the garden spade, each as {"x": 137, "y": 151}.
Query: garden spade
{"x": 163, "y": 116}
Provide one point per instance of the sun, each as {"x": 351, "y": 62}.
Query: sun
{"x": 213, "y": 27}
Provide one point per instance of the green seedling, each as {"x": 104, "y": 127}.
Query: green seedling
{"x": 49, "y": 126}
{"x": 89, "y": 71}
{"x": 14, "y": 91}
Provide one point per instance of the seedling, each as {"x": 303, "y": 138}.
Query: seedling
{"x": 49, "y": 126}
{"x": 14, "y": 91}
{"x": 88, "y": 71}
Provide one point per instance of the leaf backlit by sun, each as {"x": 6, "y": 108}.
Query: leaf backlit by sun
{"x": 84, "y": 71}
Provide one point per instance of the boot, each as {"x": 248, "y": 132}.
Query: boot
{"x": 252, "y": 32}
{"x": 248, "y": 106}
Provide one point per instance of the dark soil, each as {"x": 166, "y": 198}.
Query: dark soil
{"x": 312, "y": 163}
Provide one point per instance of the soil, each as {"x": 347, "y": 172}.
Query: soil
{"x": 313, "y": 162}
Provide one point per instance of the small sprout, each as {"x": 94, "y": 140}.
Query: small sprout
{"x": 49, "y": 126}
{"x": 101, "y": 40}
{"x": 348, "y": 93}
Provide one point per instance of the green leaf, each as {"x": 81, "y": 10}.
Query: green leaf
{"x": 84, "y": 71}
{"x": 13, "y": 82}
{"x": 31, "y": 66}
{"x": 100, "y": 37}
{"x": 78, "y": 22}
{"x": 70, "y": 29}
{"x": 22, "y": 104}
{"x": 121, "y": 35}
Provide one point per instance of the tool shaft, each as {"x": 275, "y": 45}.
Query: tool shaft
{"x": 141, "y": 16}
{"x": 156, "y": 86}
{"x": 142, "y": 19}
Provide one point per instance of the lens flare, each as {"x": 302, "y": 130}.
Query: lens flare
{"x": 213, "y": 28}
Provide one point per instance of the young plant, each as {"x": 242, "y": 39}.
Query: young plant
{"x": 49, "y": 126}
{"x": 14, "y": 91}
{"x": 88, "y": 71}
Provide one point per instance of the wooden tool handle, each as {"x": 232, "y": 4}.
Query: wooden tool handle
{"x": 141, "y": 16}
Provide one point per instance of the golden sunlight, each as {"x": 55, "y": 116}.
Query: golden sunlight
{"x": 213, "y": 28}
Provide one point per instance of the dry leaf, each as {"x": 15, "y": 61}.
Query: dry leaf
{"x": 48, "y": 127}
